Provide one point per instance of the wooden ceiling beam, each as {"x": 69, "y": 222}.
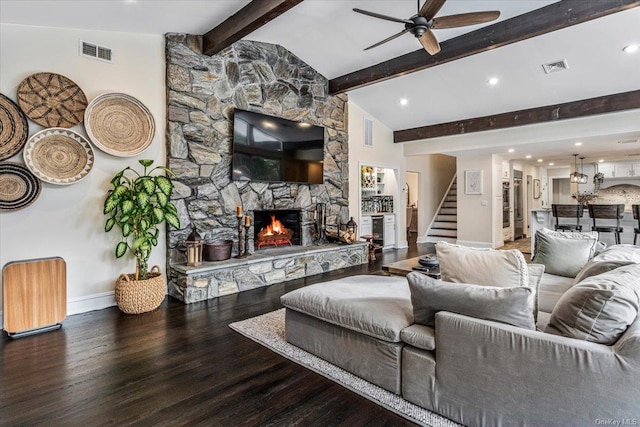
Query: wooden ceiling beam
{"x": 245, "y": 21}
{"x": 550, "y": 18}
{"x": 549, "y": 113}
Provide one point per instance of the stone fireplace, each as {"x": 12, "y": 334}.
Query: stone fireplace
{"x": 277, "y": 227}
{"x": 202, "y": 95}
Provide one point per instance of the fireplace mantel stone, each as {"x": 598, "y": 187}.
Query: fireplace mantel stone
{"x": 263, "y": 268}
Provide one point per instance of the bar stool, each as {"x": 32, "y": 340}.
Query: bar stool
{"x": 608, "y": 212}
{"x": 636, "y": 215}
{"x": 568, "y": 211}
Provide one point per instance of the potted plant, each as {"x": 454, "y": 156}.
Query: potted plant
{"x": 138, "y": 204}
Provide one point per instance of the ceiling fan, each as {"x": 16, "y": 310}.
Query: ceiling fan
{"x": 420, "y": 25}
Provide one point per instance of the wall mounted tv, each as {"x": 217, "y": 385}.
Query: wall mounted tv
{"x": 267, "y": 148}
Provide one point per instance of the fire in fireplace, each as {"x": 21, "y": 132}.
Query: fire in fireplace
{"x": 277, "y": 228}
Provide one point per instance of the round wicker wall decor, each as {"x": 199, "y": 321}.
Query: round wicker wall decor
{"x": 119, "y": 124}
{"x": 18, "y": 187}
{"x": 52, "y": 100}
{"x": 59, "y": 156}
{"x": 14, "y": 128}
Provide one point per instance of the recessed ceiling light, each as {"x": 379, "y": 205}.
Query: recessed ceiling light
{"x": 493, "y": 81}
{"x": 578, "y": 144}
{"x": 601, "y": 160}
{"x": 632, "y": 48}
{"x": 304, "y": 125}
{"x": 551, "y": 164}
{"x": 528, "y": 156}
{"x": 268, "y": 124}
{"x": 511, "y": 150}
{"x": 540, "y": 160}
{"x": 404, "y": 101}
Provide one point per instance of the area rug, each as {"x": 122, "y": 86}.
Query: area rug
{"x": 268, "y": 330}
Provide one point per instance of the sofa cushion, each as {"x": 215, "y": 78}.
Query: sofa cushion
{"x": 419, "y": 336}
{"x": 552, "y": 287}
{"x": 536, "y": 272}
{"x": 563, "y": 254}
{"x": 600, "y": 308}
{"x": 376, "y": 306}
{"x": 482, "y": 266}
{"x": 512, "y": 305}
{"x": 624, "y": 252}
{"x": 593, "y": 268}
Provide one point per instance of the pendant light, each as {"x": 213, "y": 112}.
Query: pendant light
{"x": 578, "y": 177}
{"x": 583, "y": 177}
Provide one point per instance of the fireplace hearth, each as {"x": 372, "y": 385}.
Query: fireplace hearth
{"x": 273, "y": 228}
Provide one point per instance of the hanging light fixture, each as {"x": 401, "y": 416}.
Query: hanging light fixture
{"x": 578, "y": 177}
{"x": 583, "y": 177}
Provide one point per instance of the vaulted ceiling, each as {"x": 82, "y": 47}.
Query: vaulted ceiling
{"x": 329, "y": 36}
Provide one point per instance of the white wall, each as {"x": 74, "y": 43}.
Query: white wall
{"x": 477, "y": 220}
{"x": 67, "y": 221}
{"x": 436, "y": 172}
{"x": 384, "y": 153}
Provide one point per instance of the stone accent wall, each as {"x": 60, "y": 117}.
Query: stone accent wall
{"x": 202, "y": 93}
{"x": 211, "y": 280}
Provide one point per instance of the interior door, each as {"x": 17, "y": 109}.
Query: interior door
{"x": 518, "y": 205}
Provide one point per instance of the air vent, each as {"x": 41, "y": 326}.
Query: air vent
{"x": 628, "y": 141}
{"x": 92, "y": 50}
{"x": 552, "y": 67}
{"x": 633, "y": 155}
{"x": 368, "y": 132}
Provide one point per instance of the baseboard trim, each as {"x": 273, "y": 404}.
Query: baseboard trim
{"x": 421, "y": 239}
{"x": 90, "y": 302}
{"x": 402, "y": 245}
{"x": 472, "y": 244}
{"x": 83, "y": 304}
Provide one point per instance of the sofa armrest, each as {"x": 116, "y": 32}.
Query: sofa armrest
{"x": 503, "y": 374}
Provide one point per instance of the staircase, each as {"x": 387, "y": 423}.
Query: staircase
{"x": 445, "y": 224}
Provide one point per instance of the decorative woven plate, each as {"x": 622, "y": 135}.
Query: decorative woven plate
{"x": 18, "y": 187}
{"x": 119, "y": 124}
{"x": 14, "y": 128}
{"x": 59, "y": 156}
{"x": 52, "y": 100}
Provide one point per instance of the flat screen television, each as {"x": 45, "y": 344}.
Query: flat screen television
{"x": 272, "y": 149}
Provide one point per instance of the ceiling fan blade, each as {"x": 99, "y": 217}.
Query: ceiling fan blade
{"x": 463, "y": 19}
{"x": 385, "y": 17}
{"x": 388, "y": 39}
{"x": 429, "y": 42}
{"x": 430, "y": 8}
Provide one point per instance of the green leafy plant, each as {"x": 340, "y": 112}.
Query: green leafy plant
{"x": 138, "y": 204}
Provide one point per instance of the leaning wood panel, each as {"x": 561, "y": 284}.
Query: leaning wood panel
{"x": 35, "y": 294}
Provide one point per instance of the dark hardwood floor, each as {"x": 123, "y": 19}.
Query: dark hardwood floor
{"x": 178, "y": 365}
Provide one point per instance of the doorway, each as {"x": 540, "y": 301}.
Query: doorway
{"x": 518, "y": 206}
{"x": 412, "y": 191}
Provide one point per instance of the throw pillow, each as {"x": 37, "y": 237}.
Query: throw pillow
{"x": 513, "y": 305}
{"x": 593, "y": 268}
{"x": 572, "y": 235}
{"x": 625, "y": 252}
{"x": 600, "y": 308}
{"x": 563, "y": 254}
{"x": 482, "y": 266}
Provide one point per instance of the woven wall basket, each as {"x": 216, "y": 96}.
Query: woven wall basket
{"x": 14, "y": 128}
{"x": 140, "y": 296}
{"x": 52, "y": 100}
{"x": 119, "y": 124}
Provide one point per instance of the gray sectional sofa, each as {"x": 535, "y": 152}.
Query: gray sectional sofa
{"x": 452, "y": 348}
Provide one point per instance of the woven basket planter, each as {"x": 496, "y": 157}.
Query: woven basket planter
{"x": 139, "y": 296}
